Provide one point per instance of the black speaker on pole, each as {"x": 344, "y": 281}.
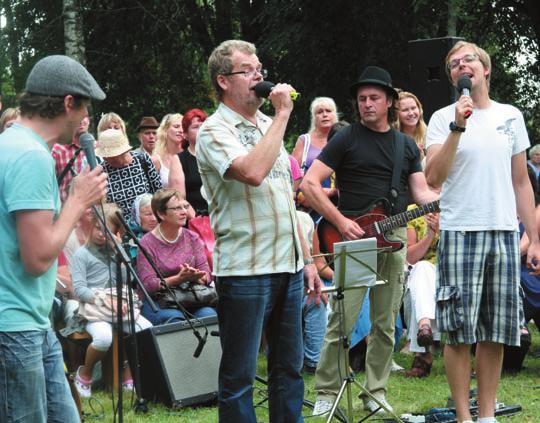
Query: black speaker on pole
{"x": 427, "y": 72}
{"x": 169, "y": 372}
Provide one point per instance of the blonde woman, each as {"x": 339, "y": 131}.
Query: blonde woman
{"x": 324, "y": 114}
{"x": 411, "y": 120}
{"x": 111, "y": 120}
{"x": 170, "y": 142}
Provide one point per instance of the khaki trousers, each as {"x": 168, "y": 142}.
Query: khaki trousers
{"x": 385, "y": 301}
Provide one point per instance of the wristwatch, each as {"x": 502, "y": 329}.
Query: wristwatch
{"x": 454, "y": 128}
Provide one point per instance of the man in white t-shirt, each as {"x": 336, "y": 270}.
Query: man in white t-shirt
{"x": 480, "y": 161}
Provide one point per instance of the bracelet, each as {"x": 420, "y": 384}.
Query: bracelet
{"x": 308, "y": 261}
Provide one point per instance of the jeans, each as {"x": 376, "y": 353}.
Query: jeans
{"x": 33, "y": 385}
{"x": 165, "y": 315}
{"x": 314, "y": 328}
{"x": 247, "y": 306}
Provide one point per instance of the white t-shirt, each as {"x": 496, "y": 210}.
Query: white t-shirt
{"x": 478, "y": 194}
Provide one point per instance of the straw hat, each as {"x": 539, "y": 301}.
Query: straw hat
{"x": 111, "y": 143}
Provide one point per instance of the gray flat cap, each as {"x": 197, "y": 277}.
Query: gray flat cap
{"x": 59, "y": 76}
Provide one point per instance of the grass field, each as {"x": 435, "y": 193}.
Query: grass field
{"x": 405, "y": 395}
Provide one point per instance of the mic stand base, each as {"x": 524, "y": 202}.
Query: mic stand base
{"x": 140, "y": 406}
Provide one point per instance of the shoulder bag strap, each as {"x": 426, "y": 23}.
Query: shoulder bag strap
{"x": 307, "y": 143}
{"x": 145, "y": 169}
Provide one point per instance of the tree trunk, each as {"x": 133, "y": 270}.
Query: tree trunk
{"x": 452, "y": 17}
{"x": 73, "y": 33}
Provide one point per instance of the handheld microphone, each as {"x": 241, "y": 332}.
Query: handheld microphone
{"x": 464, "y": 86}
{"x": 264, "y": 88}
{"x": 87, "y": 144}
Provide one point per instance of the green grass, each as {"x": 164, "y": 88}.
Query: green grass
{"x": 405, "y": 395}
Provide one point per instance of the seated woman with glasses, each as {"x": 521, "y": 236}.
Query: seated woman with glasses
{"x": 178, "y": 254}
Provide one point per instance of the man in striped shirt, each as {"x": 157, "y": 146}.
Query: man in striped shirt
{"x": 260, "y": 257}
{"x": 63, "y": 153}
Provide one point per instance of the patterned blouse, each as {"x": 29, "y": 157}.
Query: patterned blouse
{"x": 126, "y": 183}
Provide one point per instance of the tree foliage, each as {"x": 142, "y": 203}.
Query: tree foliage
{"x": 150, "y": 56}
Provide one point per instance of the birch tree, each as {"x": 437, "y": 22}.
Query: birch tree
{"x": 73, "y": 31}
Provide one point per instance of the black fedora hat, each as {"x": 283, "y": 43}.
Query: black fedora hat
{"x": 373, "y": 75}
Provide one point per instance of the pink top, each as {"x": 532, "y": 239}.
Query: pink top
{"x": 295, "y": 169}
{"x": 189, "y": 249}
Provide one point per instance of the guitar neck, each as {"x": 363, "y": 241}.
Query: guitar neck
{"x": 401, "y": 219}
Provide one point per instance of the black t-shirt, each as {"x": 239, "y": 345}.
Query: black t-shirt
{"x": 363, "y": 161}
{"x": 193, "y": 182}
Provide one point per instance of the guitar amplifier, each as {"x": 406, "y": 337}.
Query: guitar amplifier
{"x": 169, "y": 373}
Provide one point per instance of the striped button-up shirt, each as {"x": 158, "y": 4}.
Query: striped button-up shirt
{"x": 62, "y": 154}
{"x": 255, "y": 227}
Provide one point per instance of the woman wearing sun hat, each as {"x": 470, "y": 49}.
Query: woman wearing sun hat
{"x": 130, "y": 174}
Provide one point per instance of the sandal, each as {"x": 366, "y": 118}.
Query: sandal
{"x": 424, "y": 337}
{"x": 83, "y": 386}
{"x": 421, "y": 366}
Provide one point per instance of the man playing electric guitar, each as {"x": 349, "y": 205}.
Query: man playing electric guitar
{"x": 371, "y": 161}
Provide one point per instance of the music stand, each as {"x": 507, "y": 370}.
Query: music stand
{"x": 359, "y": 258}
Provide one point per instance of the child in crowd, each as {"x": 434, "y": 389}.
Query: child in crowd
{"x": 93, "y": 270}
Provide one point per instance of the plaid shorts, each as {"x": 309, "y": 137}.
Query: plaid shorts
{"x": 478, "y": 287}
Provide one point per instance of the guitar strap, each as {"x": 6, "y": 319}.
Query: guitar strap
{"x": 399, "y": 142}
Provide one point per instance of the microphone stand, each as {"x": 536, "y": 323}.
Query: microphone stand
{"x": 201, "y": 338}
{"x": 69, "y": 166}
{"x": 123, "y": 258}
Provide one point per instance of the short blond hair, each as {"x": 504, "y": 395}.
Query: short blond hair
{"x": 318, "y": 102}
{"x": 107, "y": 119}
{"x": 483, "y": 56}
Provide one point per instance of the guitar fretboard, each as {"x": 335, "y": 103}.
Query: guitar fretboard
{"x": 401, "y": 219}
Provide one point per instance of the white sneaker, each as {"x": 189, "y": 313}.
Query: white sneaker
{"x": 371, "y": 405}
{"x": 394, "y": 367}
{"x": 84, "y": 387}
{"x": 322, "y": 408}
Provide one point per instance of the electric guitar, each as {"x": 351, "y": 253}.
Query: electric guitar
{"x": 374, "y": 224}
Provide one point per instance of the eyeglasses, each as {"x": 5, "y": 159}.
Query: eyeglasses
{"x": 177, "y": 208}
{"x": 468, "y": 58}
{"x": 248, "y": 73}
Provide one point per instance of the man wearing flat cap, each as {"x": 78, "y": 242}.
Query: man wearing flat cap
{"x": 363, "y": 156}
{"x": 33, "y": 231}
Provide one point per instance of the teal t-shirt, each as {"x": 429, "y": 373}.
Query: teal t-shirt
{"x": 27, "y": 182}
